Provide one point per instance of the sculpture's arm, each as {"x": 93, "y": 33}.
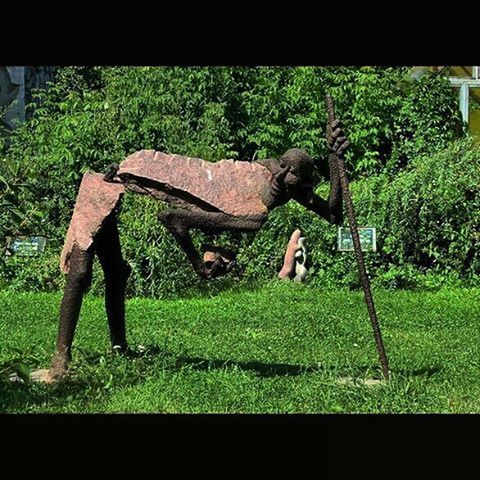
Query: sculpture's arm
{"x": 179, "y": 222}
{"x": 330, "y": 210}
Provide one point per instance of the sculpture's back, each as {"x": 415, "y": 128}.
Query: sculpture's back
{"x": 227, "y": 186}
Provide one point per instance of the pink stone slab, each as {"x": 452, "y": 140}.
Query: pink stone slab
{"x": 232, "y": 187}
{"x": 95, "y": 201}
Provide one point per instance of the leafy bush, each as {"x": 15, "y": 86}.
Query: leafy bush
{"x": 15, "y": 215}
{"x": 95, "y": 116}
{"x": 432, "y": 208}
{"x": 428, "y": 119}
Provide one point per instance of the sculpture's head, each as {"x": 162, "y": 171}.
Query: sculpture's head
{"x": 301, "y": 167}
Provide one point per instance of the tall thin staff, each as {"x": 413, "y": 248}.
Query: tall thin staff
{"x": 358, "y": 249}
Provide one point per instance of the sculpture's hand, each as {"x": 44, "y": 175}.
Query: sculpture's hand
{"x": 336, "y": 139}
{"x": 278, "y": 183}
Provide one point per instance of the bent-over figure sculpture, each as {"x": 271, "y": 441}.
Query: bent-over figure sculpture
{"x": 212, "y": 197}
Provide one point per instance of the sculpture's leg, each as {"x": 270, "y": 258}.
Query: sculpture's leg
{"x": 179, "y": 222}
{"x": 94, "y": 211}
{"x": 78, "y": 281}
{"x": 116, "y": 271}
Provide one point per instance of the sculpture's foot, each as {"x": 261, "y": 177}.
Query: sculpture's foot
{"x": 58, "y": 370}
{"x": 41, "y": 376}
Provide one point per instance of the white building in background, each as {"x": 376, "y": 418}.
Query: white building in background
{"x": 467, "y": 81}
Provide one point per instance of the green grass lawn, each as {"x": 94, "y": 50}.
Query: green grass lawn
{"x": 282, "y": 348}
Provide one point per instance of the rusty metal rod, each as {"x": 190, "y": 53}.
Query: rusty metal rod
{"x": 358, "y": 249}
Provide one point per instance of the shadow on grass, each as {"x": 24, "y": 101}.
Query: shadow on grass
{"x": 89, "y": 382}
{"x": 426, "y": 372}
{"x": 266, "y": 370}
{"x": 175, "y": 362}
{"x": 90, "y": 376}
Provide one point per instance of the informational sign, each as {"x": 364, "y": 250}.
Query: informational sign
{"x": 368, "y": 239}
{"x": 26, "y": 246}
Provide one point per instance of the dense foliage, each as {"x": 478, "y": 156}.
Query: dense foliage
{"x": 398, "y": 131}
